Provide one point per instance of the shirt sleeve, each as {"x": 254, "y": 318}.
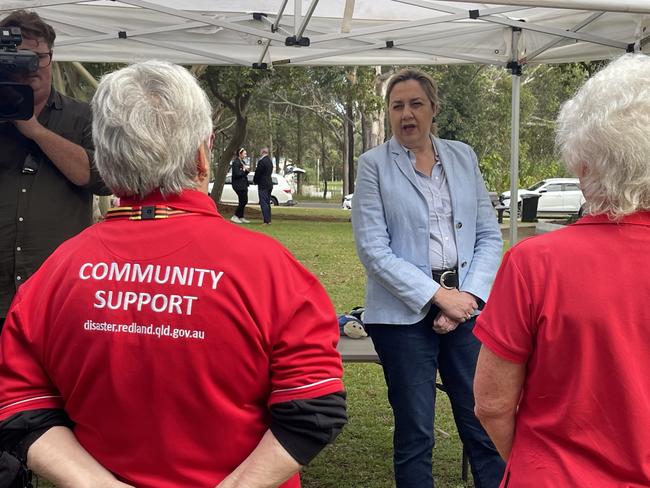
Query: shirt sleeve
{"x": 506, "y": 326}
{"x": 304, "y": 360}
{"x": 24, "y": 385}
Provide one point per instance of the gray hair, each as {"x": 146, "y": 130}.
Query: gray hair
{"x": 603, "y": 134}
{"x": 149, "y": 121}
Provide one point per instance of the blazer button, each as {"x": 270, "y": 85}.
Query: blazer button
{"x": 459, "y": 225}
{"x": 463, "y": 264}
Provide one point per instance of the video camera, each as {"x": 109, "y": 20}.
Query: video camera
{"x": 16, "y": 99}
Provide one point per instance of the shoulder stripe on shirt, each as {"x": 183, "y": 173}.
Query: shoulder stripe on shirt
{"x": 306, "y": 386}
{"x": 30, "y": 400}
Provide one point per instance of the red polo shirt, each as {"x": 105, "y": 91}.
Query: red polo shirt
{"x": 572, "y": 306}
{"x": 165, "y": 340}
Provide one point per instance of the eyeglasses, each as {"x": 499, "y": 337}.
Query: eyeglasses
{"x": 44, "y": 59}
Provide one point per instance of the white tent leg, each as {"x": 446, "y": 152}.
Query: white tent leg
{"x": 297, "y": 16}
{"x": 515, "y": 69}
{"x": 514, "y": 159}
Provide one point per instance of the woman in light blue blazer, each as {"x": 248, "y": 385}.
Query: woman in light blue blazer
{"x": 427, "y": 235}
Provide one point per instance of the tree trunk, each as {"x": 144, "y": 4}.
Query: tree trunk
{"x": 299, "y": 139}
{"x": 378, "y": 127}
{"x": 366, "y": 131}
{"x": 270, "y": 132}
{"x": 322, "y": 158}
{"x": 346, "y": 160}
{"x": 278, "y": 153}
{"x": 298, "y": 161}
{"x": 350, "y": 156}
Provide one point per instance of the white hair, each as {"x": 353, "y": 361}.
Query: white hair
{"x": 603, "y": 134}
{"x": 149, "y": 121}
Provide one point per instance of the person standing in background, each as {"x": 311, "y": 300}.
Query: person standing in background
{"x": 264, "y": 181}
{"x": 239, "y": 179}
{"x": 47, "y": 175}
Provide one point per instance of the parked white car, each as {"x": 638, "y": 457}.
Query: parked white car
{"x": 561, "y": 195}
{"x": 280, "y": 195}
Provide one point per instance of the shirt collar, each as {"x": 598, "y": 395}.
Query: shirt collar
{"x": 188, "y": 200}
{"x": 637, "y": 218}
{"x": 411, "y": 155}
{"x": 54, "y": 100}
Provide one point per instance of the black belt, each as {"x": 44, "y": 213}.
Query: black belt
{"x": 447, "y": 278}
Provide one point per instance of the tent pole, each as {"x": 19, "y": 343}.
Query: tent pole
{"x": 297, "y": 17}
{"x": 515, "y": 69}
{"x": 276, "y": 24}
{"x": 306, "y": 18}
{"x": 514, "y": 161}
{"x": 623, "y": 6}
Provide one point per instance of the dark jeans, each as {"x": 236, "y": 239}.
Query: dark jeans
{"x": 265, "y": 203}
{"x": 242, "y": 196}
{"x": 410, "y": 356}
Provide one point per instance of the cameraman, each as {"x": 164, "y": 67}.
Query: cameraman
{"x": 47, "y": 179}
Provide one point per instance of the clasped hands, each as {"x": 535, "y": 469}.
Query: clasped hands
{"x": 455, "y": 307}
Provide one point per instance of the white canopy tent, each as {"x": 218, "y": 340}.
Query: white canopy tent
{"x": 266, "y": 33}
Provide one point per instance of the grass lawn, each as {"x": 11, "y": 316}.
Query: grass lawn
{"x": 362, "y": 455}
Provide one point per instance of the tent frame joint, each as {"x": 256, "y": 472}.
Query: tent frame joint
{"x": 515, "y": 68}
{"x": 474, "y": 14}
{"x": 122, "y": 35}
{"x": 390, "y": 44}
{"x": 298, "y": 42}
{"x": 260, "y": 65}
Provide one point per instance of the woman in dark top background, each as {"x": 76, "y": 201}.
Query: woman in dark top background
{"x": 240, "y": 184}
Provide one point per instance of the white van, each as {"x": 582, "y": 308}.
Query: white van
{"x": 280, "y": 195}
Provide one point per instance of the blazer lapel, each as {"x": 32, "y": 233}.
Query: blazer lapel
{"x": 402, "y": 161}
{"x": 449, "y": 165}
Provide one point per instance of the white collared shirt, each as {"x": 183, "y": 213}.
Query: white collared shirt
{"x": 443, "y": 253}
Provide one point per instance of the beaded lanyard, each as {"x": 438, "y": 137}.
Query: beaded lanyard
{"x": 145, "y": 212}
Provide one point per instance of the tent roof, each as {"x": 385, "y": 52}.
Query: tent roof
{"x": 341, "y": 32}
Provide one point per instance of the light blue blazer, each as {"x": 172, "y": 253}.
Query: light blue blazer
{"x": 390, "y": 219}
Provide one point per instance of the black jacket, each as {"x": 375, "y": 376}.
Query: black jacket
{"x": 263, "y": 174}
{"x": 239, "y": 175}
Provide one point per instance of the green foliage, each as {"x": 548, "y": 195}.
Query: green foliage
{"x": 300, "y": 112}
{"x": 475, "y": 108}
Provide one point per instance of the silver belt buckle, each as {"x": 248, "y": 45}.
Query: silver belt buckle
{"x": 442, "y": 279}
